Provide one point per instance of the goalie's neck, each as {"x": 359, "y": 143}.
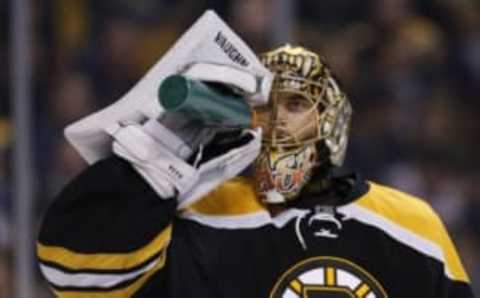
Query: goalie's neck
{"x": 335, "y": 191}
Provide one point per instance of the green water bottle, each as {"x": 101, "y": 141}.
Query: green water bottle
{"x": 199, "y": 101}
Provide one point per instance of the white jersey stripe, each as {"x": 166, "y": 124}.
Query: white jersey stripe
{"x": 399, "y": 233}
{"x": 247, "y": 221}
{"x": 91, "y": 280}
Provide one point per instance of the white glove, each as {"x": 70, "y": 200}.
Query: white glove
{"x": 159, "y": 155}
{"x": 253, "y": 88}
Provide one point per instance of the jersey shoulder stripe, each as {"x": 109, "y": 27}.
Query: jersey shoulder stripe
{"x": 233, "y": 205}
{"x": 411, "y": 221}
{"x": 224, "y": 200}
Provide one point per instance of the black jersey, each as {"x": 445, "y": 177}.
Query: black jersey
{"x": 108, "y": 234}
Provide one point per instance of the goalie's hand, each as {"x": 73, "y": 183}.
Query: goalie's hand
{"x": 185, "y": 160}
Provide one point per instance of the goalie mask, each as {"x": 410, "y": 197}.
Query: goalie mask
{"x": 305, "y": 123}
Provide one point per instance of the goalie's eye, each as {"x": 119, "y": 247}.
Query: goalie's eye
{"x": 296, "y": 105}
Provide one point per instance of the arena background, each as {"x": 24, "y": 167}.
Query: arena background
{"x": 411, "y": 68}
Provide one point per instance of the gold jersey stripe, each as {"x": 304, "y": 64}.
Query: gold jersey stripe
{"x": 126, "y": 292}
{"x": 296, "y": 286}
{"x": 330, "y": 279}
{"x": 103, "y": 261}
{"x": 224, "y": 199}
{"x": 362, "y": 291}
{"x": 416, "y": 216}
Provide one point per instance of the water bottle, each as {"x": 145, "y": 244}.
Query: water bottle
{"x": 210, "y": 105}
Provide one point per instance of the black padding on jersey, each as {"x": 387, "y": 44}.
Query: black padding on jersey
{"x": 108, "y": 208}
{"x": 340, "y": 190}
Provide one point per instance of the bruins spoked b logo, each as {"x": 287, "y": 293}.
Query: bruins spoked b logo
{"x": 327, "y": 277}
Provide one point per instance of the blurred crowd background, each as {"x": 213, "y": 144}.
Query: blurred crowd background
{"x": 411, "y": 68}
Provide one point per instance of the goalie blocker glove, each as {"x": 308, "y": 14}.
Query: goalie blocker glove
{"x": 169, "y": 164}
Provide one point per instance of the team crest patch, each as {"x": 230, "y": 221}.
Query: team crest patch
{"x": 327, "y": 277}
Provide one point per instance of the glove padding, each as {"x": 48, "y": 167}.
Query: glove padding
{"x": 171, "y": 167}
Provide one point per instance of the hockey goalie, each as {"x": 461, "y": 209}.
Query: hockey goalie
{"x": 171, "y": 207}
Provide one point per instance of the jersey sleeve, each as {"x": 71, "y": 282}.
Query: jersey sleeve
{"x": 105, "y": 234}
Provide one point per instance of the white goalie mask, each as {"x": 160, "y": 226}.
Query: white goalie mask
{"x": 307, "y": 112}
